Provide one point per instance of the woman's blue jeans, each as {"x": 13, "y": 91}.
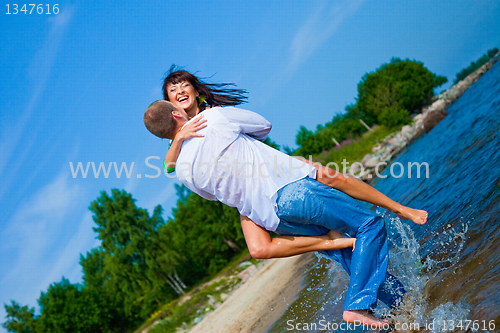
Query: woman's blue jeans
{"x": 308, "y": 208}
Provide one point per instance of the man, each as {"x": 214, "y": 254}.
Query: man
{"x": 279, "y": 193}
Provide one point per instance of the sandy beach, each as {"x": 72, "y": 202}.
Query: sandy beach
{"x": 257, "y": 304}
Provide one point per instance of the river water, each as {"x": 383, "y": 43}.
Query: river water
{"x": 450, "y": 266}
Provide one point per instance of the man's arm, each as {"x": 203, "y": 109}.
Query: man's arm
{"x": 262, "y": 246}
{"x": 249, "y": 123}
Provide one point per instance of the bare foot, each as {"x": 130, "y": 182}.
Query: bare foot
{"x": 416, "y": 215}
{"x": 365, "y": 317}
{"x": 346, "y": 242}
{"x": 335, "y": 235}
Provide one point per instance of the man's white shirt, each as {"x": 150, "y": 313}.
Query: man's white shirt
{"x": 231, "y": 164}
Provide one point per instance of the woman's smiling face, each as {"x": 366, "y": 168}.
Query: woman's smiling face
{"x": 183, "y": 94}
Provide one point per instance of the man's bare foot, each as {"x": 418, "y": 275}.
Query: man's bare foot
{"x": 365, "y": 317}
{"x": 416, "y": 215}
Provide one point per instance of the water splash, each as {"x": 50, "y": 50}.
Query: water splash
{"x": 416, "y": 273}
{"x": 448, "y": 314}
{"x": 451, "y": 244}
{"x": 326, "y": 283}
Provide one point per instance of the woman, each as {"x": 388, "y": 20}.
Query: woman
{"x": 187, "y": 91}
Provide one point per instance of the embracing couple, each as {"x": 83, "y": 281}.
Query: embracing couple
{"x": 310, "y": 207}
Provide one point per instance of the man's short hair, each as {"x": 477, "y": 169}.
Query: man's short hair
{"x": 158, "y": 119}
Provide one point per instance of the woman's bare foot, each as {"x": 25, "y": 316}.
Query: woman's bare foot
{"x": 365, "y": 317}
{"x": 335, "y": 235}
{"x": 416, "y": 215}
{"x": 348, "y": 242}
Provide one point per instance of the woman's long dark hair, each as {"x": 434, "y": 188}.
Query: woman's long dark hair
{"x": 216, "y": 94}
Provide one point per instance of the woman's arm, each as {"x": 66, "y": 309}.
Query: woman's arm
{"x": 187, "y": 132}
{"x": 248, "y": 122}
{"x": 262, "y": 246}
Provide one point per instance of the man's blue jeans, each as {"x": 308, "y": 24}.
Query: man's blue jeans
{"x": 308, "y": 208}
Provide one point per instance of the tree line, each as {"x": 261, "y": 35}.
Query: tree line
{"x": 475, "y": 65}
{"x": 142, "y": 263}
{"x": 386, "y": 97}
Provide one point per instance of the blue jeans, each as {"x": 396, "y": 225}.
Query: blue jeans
{"x": 308, "y": 208}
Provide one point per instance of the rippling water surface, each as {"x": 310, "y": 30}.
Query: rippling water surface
{"x": 450, "y": 266}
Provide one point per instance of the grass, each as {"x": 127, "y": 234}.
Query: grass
{"x": 180, "y": 314}
{"x": 357, "y": 150}
{"x": 244, "y": 255}
{"x": 183, "y": 315}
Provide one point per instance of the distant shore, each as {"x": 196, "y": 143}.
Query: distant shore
{"x": 382, "y": 154}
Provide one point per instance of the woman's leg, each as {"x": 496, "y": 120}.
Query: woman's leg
{"x": 361, "y": 191}
{"x": 262, "y": 246}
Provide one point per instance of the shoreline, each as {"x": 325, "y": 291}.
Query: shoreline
{"x": 391, "y": 146}
{"x": 246, "y": 310}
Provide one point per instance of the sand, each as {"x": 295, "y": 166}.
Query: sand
{"x": 256, "y": 305}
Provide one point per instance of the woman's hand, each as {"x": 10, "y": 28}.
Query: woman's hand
{"x": 191, "y": 129}
{"x": 187, "y": 132}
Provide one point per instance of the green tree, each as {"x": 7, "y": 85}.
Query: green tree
{"x": 163, "y": 261}
{"x": 392, "y": 116}
{"x": 67, "y": 307}
{"x": 20, "y": 319}
{"x": 127, "y": 234}
{"x": 111, "y": 317}
{"x": 396, "y": 87}
{"x": 342, "y": 127}
{"x": 271, "y": 143}
{"x": 93, "y": 268}
{"x": 305, "y": 139}
{"x": 207, "y": 233}
{"x": 386, "y": 97}
{"x": 475, "y": 65}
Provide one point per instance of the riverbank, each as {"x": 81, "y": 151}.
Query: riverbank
{"x": 229, "y": 303}
{"x": 392, "y": 145}
{"x": 259, "y": 302}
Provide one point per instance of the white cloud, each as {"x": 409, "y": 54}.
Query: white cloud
{"x": 318, "y": 28}
{"x": 39, "y": 71}
{"x": 314, "y": 32}
{"x": 42, "y": 242}
{"x": 68, "y": 262}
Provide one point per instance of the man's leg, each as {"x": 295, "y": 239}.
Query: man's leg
{"x": 390, "y": 292}
{"x": 309, "y": 203}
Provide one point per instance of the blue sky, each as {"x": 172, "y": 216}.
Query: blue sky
{"x": 74, "y": 87}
